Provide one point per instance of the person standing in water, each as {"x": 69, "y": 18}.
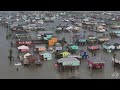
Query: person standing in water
{"x": 11, "y": 44}
{"x": 17, "y": 69}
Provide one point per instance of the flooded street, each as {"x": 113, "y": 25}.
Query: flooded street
{"x": 47, "y": 70}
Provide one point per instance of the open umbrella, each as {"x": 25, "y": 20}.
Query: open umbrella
{"x": 23, "y": 47}
{"x": 27, "y": 54}
{"x": 17, "y": 64}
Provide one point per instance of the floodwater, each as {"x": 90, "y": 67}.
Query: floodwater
{"x": 47, "y": 70}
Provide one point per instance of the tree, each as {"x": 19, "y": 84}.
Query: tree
{"x": 6, "y": 36}
{"x": 47, "y": 46}
{"x": 57, "y": 31}
{"x": 63, "y": 42}
{"x": 112, "y": 35}
{"x": 63, "y": 39}
{"x": 84, "y": 33}
{"x": 73, "y": 51}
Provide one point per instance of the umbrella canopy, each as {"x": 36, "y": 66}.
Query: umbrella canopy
{"x": 100, "y": 27}
{"x": 93, "y": 47}
{"x": 70, "y": 27}
{"x": 59, "y": 28}
{"x": 96, "y": 60}
{"x": 27, "y": 54}
{"x": 23, "y": 47}
{"x": 74, "y": 47}
{"x": 18, "y": 64}
{"x": 62, "y": 60}
{"x": 76, "y": 28}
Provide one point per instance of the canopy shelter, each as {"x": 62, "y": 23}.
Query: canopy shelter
{"x": 103, "y": 38}
{"x": 45, "y": 32}
{"x": 93, "y": 47}
{"x": 95, "y": 63}
{"x": 26, "y": 55}
{"x": 69, "y": 28}
{"x": 23, "y": 47}
{"x": 17, "y": 64}
{"x": 100, "y": 27}
{"x": 96, "y": 60}
{"x": 76, "y": 28}
{"x": 69, "y": 61}
{"x": 91, "y": 37}
{"x": 40, "y": 47}
{"x": 79, "y": 57}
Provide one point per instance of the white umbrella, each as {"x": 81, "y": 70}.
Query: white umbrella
{"x": 18, "y": 64}
{"x": 59, "y": 28}
{"x": 70, "y": 27}
{"x": 76, "y": 28}
{"x": 117, "y": 26}
{"x": 69, "y": 59}
{"x": 23, "y": 47}
{"x": 27, "y": 54}
{"x": 100, "y": 27}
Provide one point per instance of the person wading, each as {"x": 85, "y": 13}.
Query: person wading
{"x": 10, "y": 54}
{"x": 11, "y": 44}
{"x": 17, "y": 69}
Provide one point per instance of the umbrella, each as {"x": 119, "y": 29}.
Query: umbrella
{"x": 23, "y": 47}
{"x": 70, "y": 27}
{"x": 18, "y": 64}
{"x": 27, "y": 54}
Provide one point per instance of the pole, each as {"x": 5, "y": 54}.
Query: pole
{"x": 114, "y": 64}
{"x": 71, "y": 36}
{"x": 101, "y": 51}
{"x": 114, "y": 61}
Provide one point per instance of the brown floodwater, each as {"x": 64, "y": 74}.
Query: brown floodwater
{"x": 47, "y": 70}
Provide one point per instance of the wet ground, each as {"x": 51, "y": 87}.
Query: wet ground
{"x": 47, "y": 70}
